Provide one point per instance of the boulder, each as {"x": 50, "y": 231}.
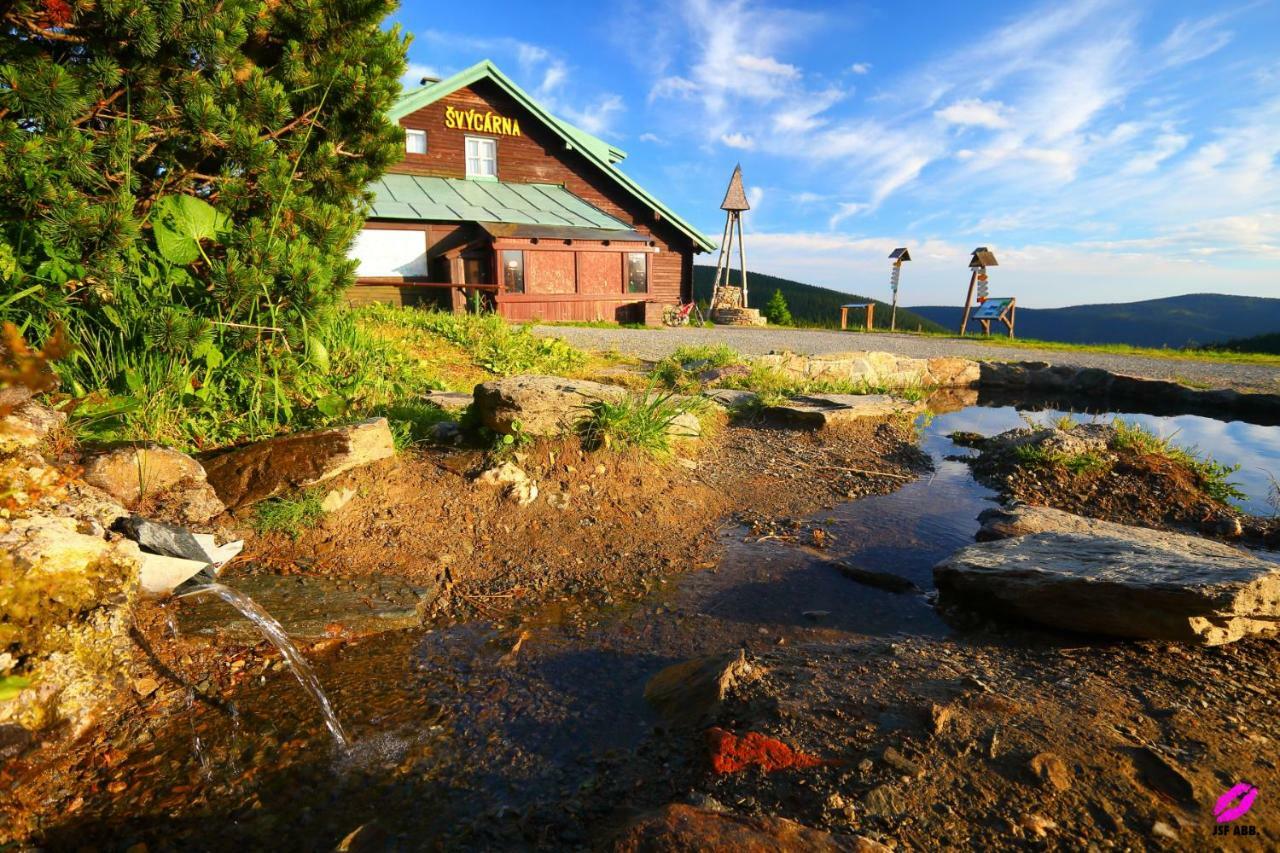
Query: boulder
{"x": 67, "y": 599}
{"x": 1123, "y": 582}
{"x": 25, "y": 423}
{"x": 877, "y": 369}
{"x": 247, "y": 475}
{"x": 680, "y": 827}
{"x": 688, "y": 693}
{"x": 816, "y": 411}
{"x": 543, "y": 405}
{"x": 172, "y": 482}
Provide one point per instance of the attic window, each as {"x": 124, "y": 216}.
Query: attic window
{"x": 415, "y": 141}
{"x": 482, "y": 158}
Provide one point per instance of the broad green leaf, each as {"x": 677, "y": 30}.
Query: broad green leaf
{"x": 318, "y": 355}
{"x": 332, "y": 406}
{"x": 180, "y": 222}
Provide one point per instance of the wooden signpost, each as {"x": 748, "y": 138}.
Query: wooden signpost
{"x": 735, "y": 202}
{"x": 897, "y": 256}
{"x": 982, "y": 258}
{"x": 844, "y": 313}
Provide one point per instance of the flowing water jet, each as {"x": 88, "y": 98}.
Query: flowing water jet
{"x": 275, "y": 633}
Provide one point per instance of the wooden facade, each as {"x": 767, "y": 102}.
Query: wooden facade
{"x": 568, "y": 273}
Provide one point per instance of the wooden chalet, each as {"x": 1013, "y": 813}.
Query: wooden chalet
{"x": 497, "y": 197}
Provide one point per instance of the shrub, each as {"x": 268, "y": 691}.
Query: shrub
{"x": 180, "y": 185}
{"x": 776, "y": 311}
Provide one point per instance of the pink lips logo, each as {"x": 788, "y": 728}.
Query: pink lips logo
{"x": 1235, "y": 803}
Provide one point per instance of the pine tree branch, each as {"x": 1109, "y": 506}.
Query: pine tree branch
{"x": 34, "y": 28}
{"x": 300, "y": 120}
{"x": 99, "y": 107}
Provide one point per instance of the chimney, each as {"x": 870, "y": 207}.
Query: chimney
{"x": 427, "y": 81}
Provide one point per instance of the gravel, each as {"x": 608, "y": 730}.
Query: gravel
{"x": 654, "y": 344}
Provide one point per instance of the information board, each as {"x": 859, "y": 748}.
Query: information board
{"x": 992, "y": 308}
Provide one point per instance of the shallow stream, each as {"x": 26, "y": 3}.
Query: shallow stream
{"x": 534, "y": 731}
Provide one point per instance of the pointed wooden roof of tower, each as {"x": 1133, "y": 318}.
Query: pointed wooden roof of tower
{"x": 736, "y": 197}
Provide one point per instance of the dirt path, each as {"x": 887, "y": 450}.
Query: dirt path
{"x": 657, "y": 343}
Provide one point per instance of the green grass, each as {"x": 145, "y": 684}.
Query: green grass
{"x": 493, "y": 344}
{"x": 289, "y": 515}
{"x": 679, "y": 371}
{"x": 1076, "y": 463}
{"x": 640, "y": 421}
{"x": 1213, "y": 475}
{"x": 1206, "y": 355}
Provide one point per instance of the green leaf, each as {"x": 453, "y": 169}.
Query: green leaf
{"x": 318, "y": 355}
{"x": 332, "y": 406}
{"x": 11, "y": 686}
{"x": 180, "y": 222}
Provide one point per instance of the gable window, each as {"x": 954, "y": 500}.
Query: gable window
{"x": 482, "y": 158}
{"x": 637, "y": 272}
{"x": 415, "y": 141}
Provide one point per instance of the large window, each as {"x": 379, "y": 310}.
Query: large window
{"x": 415, "y": 141}
{"x": 637, "y": 272}
{"x": 482, "y": 158}
{"x": 513, "y": 271}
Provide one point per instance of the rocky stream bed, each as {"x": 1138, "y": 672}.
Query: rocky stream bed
{"x": 743, "y": 648}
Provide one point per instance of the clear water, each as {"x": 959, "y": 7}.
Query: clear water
{"x": 272, "y": 630}
{"x": 1255, "y": 448}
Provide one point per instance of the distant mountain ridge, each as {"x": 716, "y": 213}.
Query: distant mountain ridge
{"x": 1193, "y": 320}
{"x": 810, "y": 305}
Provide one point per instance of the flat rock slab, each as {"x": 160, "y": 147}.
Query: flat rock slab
{"x": 1002, "y": 523}
{"x": 454, "y": 402}
{"x": 730, "y": 398}
{"x": 310, "y": 607}
{"x": 823, "y": 410}
{"x": 247, "y": 475}
{"x": 1125, "y": 582}
{"x": 883, "y": 369}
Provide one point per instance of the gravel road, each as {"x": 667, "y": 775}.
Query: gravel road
{"x": 654, "y": 344}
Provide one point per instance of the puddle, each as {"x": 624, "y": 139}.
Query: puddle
{"x": 461, "y": 742}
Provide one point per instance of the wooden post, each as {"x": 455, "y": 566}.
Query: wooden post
{"x": 844, "y": 318}
{"x": 721, "y": 264}
{"x": 893, "y": 315}
{"x": 871, "y": 314}
{"x": 968, "y": 302}
{"x": 742, "y": 259}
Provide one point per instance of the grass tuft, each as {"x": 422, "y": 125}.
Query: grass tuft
{"x": 289, "y": 515}
{"x": 1213, "y": 475}
{"x": 640, "y": 421}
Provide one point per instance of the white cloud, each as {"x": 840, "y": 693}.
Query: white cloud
{"x": 1165, "y": 146}
{"x": 738, "y": 140}
{"x": 860, "y": 67}
{"x": 974, "y": 112}
{"x": 597, "y": 117}
{"x": 1191, "y": 41}
{"x": 653, "y": 138}
{"x": 767, "y": 66}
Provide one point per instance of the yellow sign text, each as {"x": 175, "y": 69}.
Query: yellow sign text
{"x": 479, "y": 122}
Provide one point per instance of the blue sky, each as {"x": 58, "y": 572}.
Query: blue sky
{"x": 1106, "y": 150}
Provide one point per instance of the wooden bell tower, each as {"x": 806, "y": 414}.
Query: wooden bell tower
{"x": 735, "y": 202}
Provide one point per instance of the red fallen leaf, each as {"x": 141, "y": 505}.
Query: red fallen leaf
{"x": 730, "y": 753}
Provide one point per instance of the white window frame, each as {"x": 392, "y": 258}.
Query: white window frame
{"x": 412, "y": 133}
{"x": 481, "y": 142}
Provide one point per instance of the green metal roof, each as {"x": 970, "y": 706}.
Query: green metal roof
{"x": 604, "y": 155}
{"x": 457, "y": 200}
